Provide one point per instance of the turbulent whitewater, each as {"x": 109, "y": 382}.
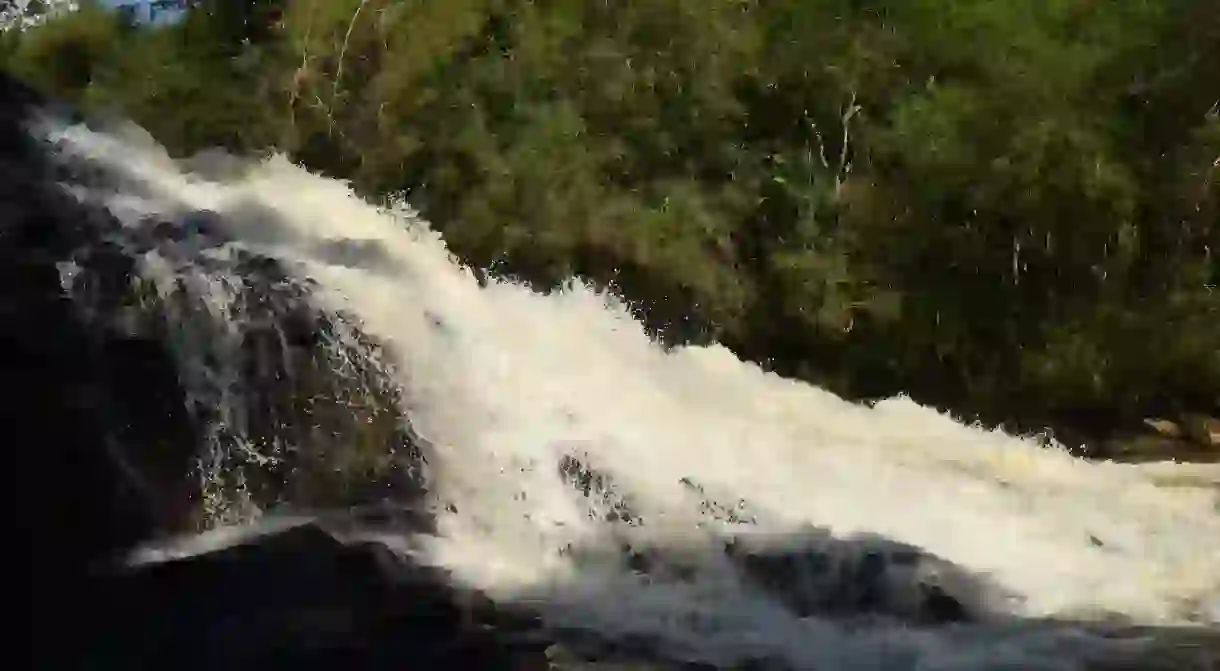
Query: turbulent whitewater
{"x": 578, "y": 467}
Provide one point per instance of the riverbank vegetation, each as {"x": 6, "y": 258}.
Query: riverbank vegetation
{"x": 1007, "y": 209}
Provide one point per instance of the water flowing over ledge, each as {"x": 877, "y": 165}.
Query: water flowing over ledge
{"x": 542, "y": 452}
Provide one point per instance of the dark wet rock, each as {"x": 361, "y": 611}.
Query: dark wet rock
{"x": 88, "y": 399}
{"x": 1182, "y": 437}
{"x": 737, "y": 513}
{"x": 299, "y": 598}
{"x": 306, "y": 597}
{"x": 199, "y": 228}
{"x": 579, "y": 649}
{"x": 598, "y": 487}
{"x": 97, "y": 445}
{"x": 111, "y": 402}
{"x": 292, "y": 405}
{"x": 817, "y": 574}
{"x": 1145, "y": 447}
{"x": 287, "y": 382}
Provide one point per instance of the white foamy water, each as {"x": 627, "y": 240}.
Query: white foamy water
{"x": 503, "y": 383}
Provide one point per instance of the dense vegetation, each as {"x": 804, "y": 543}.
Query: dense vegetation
{"x": 1003, "y": 207}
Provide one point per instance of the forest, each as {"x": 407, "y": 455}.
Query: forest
{"x": 1006, "y": 209}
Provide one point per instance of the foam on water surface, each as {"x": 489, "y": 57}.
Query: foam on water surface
{"x": 503, "y": 384}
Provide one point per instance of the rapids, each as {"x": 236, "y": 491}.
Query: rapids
{"x": 577, "y": 467}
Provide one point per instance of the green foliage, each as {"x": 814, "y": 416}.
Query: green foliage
{"x": 1001, "y": 207}
{"x": 68, "y": 51}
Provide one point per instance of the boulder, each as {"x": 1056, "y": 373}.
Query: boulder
{"x": 110, "y": 437}
{"x": 301, "y": 598}
{"x": 1164, "y": 428}
{"x": 1202, "y": 429}
{"x": 818, "y": 574}
{"x": 84, "y": 400}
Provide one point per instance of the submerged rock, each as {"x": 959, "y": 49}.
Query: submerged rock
{"x": 818, "y": 574}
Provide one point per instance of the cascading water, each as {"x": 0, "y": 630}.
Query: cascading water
{"x": 281, "y": 391}
{"x": 679, "y": 500}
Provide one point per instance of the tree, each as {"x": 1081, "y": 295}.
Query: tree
{"x": 1004, "y": 209}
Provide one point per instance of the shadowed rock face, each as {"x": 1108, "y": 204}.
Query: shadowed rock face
{"x": 75, "y": 392}
{"x": 299, "y": 598}
{"x": 76, "y": 397}
{"x": 108, "y": 425}
{"x": 221, "y": 389}
{"x": 293, "y": 406}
